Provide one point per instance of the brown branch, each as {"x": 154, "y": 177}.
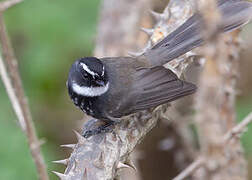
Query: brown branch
{"x": 11, "y": 93}
{"x": 239, "y": 128}
{"x": 16, "y": 94}
{"x": 190, "y": 169}
{"x": 7, "y": 4}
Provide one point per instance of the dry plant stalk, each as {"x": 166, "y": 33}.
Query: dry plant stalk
{"x": 13, "y": 85}
{"x": 216, "y": 99}
{"x": 230, "y": 136}
{"x": 4, "y": 5}
{"x": 101, "y": 156}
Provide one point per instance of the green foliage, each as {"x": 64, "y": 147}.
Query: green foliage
{"x": 14, "y": 154}
{"x": 243, "y": 109}
{"x": 47, "y": 37}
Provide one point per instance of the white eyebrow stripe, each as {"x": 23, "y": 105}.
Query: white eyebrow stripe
{"x": 90, "y": 91}
{"x": 85, "y": 67}
{"x": 103, "y": 70}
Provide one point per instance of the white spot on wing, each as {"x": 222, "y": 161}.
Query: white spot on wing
{"x": 85, "y": 67}
{"x": 90, "y": 91}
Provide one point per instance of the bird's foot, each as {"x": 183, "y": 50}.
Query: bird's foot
{"x": 94, "y": 127}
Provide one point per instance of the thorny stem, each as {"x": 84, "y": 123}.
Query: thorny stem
{"x": 100, "y": 157}
{"x": 215, "y": 104}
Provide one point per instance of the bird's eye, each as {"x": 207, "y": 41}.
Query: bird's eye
{"x": 85, "y": 75}
{"x": 96, "y": 77}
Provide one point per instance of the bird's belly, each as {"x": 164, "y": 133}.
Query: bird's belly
{"x": 96, "y": 107}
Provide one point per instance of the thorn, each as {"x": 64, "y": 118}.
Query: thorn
{"x": 167, "y": 13}
{"x": 63, "y": 161}
{"x": 122, "y": 165}
{"x": 42, "y": 141}
{"x": 60, "y": 175}
{"x": 148, "y": 46}
{"x": 74, "y": 165}
{"x": 99, "y": 162}
{"x": 130, "y": 163}
{"x": 135, "y": 54}
{"x": 80, "y": 138}
{"x": 147, "y": 31}
{"x": 68, "y": 145}
{"x": 85, "y": 177}
{"x": 156, "y": 15}
{"x": 190, "y": 53}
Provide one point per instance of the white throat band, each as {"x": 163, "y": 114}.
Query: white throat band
{"x": 90, "y": 91}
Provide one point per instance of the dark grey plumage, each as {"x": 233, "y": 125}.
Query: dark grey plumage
{"x": 109, "y": 88}
{"x": 135, "y": 88}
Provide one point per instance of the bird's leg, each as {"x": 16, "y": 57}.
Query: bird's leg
{"x": 94, "y": 127}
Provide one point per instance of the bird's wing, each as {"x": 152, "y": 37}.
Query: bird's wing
{"x": 134, "y": 87}
{"x": 156, "y": 86}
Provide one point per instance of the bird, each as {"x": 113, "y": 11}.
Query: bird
{"x": 112, "y": 87}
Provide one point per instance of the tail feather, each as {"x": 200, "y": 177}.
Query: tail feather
{"x": 235, "y": 13}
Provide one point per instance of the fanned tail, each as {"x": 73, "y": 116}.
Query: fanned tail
{"x": 186, "y": 37}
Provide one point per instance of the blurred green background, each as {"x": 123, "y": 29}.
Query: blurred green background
{"x": 47, "y": 37}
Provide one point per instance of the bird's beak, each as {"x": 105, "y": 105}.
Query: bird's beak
{"x": 100, "y": 82}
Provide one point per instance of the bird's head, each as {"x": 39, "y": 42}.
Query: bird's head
{"x": 88, "y": 77}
